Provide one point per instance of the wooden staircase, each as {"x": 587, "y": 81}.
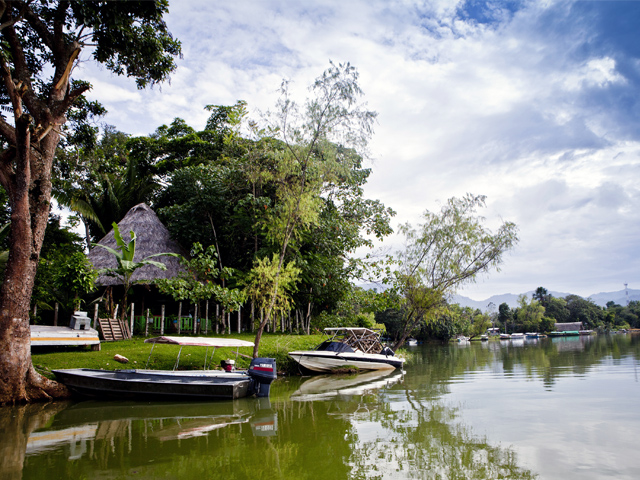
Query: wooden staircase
{"x": 112, "y": 329}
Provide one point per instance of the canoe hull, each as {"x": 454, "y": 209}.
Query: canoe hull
{"x": 154, "y": 385}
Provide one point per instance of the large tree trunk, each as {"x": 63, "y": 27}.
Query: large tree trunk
{"x": 30, "y": 194}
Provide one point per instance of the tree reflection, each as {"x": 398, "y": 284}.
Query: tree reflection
{"x": 365, "y": 426}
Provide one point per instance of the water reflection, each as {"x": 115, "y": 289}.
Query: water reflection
{"x": 323, "y": 387}
{"x": 470, "y": 412}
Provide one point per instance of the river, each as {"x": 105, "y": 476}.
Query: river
{"x": 550, "y": 408}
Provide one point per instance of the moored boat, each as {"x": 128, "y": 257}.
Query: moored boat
{"x": 505, "y": 336}
{"x": 517, "y": 336}
{"x": 348, "y": 347}
{"x": 176, "y": 384}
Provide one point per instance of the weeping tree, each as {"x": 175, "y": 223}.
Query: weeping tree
{"x": 450, "y": 249}
{"x": 42, "y": 40}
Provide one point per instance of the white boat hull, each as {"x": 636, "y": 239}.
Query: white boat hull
{"x": 323, "y": 361}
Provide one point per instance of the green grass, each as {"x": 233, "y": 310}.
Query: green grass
{"x": 164, "y": 356}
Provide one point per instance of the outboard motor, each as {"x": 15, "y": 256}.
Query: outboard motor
{"x": 228, "y": 365}
{"x": 387, "y": 351}
{"x": 263, "y": 372}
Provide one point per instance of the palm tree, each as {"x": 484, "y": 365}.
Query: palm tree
{"x": 126, "y": 265}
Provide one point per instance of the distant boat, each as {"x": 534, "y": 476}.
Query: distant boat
{"x": 532, "y": 335}
{"x": 505, "y": 336}
{"x": 484, "y": 338}
{"x": 462, "y": 339}
{"x": 517, "y": 336}
{"x": 411, "y": 342}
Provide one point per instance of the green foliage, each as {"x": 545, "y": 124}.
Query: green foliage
{"x": 451, "y": 248}
{"x": 363, "y": 320}
{"x": 76, "y": 275}
{"x": 585, "y": 311}
{"x": 130, "y": 38}
{"x": 270, "y": 286}
{"x": 528, "y": 315}
{"x": 64, "y": 273}
{"x": 617, "y": 316}
{"x": 547, "y": 325}
{"x": 102, "y": 183}
{"x": 200, "y": 280}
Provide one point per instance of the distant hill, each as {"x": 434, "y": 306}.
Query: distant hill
{"x": 512, "y": 299}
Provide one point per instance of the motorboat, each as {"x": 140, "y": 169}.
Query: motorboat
{"x": 205, "y": 384}
{"x": 348, "y": 347}
{"x": 462, "y": 339}
{"x": 517, "y": 336}
{"x": 411, "y": 342}
{"x": 505, "y": 336}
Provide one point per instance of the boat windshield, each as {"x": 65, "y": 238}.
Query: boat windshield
{"x": 338, "y": 347}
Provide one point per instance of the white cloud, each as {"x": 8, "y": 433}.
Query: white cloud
{"x": 516, "y": 109}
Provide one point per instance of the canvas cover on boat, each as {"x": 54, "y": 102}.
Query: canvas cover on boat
{"x": 200, "y": 341}
{"x": 338, "y": 347}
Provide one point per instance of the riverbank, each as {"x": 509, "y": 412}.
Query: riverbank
{"x": 46, "y": 359}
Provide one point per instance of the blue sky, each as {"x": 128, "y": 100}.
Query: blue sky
{"x": 534, "y": 104}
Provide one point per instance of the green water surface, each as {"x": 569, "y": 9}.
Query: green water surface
{"x": 550, "y": 408}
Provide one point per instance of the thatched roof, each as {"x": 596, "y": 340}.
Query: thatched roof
{"x": 151, "y": 237}
{"x": 568, "y": 327}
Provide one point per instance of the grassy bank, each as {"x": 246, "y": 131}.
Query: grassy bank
{"x": 164, "y": 356}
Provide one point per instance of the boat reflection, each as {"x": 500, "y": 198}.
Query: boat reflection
{"x": 324, "y": 387}
{"x": 82, "y": 423}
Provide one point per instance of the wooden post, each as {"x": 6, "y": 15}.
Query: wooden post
{"x": 162, "y": 320}
{"x": 146, "y": 325}
{"x": 239, "y": 320}
{"x": 132, "y": 310}
{"x": 195, "y": 319}
{"x": 217, "y": 315}
{"x": 55, "y": 315}
{"x": 95, "y": 317}
{"x": 206, "y": 316}
{"x": 179, "y": 316}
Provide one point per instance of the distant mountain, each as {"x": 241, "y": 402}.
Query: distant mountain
{"x": 512, "y": 300}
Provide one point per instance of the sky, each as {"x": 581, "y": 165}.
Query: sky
{"x": 535, "y": 104}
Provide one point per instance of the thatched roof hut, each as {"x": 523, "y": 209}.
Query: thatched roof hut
{"x": 151, "y": 237}
{"x": 568, "y": 327}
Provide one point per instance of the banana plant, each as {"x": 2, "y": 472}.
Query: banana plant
{"x": 126, "y": 266}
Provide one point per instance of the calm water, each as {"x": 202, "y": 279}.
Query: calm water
{"x": 561, "y": 408}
